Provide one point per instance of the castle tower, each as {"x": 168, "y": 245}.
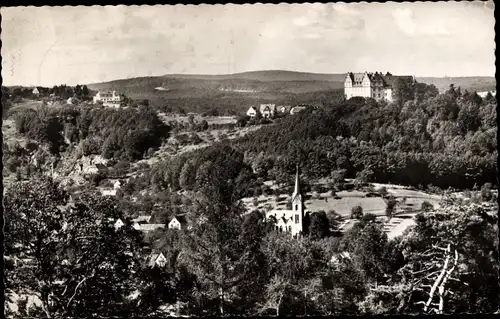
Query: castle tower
{"x": 297, "y": 207}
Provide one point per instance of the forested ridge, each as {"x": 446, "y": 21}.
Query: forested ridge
{"x": 120, "y": 134}
{"x": 447, "y": 140}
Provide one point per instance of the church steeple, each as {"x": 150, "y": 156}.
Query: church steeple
{"x": 297, "y": 190}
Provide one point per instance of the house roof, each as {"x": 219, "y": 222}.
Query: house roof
{"x": 181, "y": 218}
{"x": 149, "y": 227}
{"x": 388, "y": 78}
{"x": 271, "y": 107}
{"x": 142, "y": 218}
{"x": 285, "y": 107}
{"x": 356, "y": 77}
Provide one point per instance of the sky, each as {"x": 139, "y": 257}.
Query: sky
{"x": 81, "y": 45}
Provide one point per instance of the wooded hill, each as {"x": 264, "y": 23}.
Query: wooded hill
{"x": 201, "y": 93}
{"x": 440, "y": 139}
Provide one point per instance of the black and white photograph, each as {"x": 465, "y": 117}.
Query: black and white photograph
{"x": 264, "y": 160}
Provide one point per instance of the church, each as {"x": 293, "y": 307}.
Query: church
{"x": 291, "y": 221}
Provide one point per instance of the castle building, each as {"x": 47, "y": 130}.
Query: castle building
{"x": 291, "y": 221}
{"x": 374, "y": 85}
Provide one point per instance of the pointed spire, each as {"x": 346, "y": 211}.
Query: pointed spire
{"x": 297, "y": 190}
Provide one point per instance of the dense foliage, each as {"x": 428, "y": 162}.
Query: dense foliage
{"x": 71, "y": 257}
{"x": 118, "y": 133}
{"x": 440, "y": 139}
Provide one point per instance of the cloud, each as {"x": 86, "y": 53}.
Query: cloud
{"x": 405, "y": 20}
{"x": 336, "y": 16}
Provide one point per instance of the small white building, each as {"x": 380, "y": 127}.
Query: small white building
{"x": 157, "y": 260}
{"x": 178, "y": 222}
{"x": 35, "y": 91}
{"x": 285, "y": 108}
{"x": 252, "y": 111}
{"x": 483, "y": 94}
{"x": 107, "y": 98}
{"x": 117, "y": 185}
{"x": 69, "y": 101}
{"x": 119, "y": 223}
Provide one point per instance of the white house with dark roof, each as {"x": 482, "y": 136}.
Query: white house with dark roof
{"x": 284, "y": 108}
{"x": 119, "y": 223}
{"x": 375, "y": 85}
{"x": 178, "y": 222}
{"x": 291, "y": 221}
{"x": 267, "y": 110}
{"x": 157, "y": 260}
{"x": 108, "y": 98}
{"x": 252, "y": 111}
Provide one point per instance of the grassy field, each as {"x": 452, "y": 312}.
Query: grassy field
{"x": 408, "y": 204}
{"x": 408, "y": 201}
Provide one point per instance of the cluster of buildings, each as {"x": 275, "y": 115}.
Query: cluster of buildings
{"x": 374, "y": 85}
{"x": 270, "y": 110}
{"x": 108, "y": 98}
{"x": 483, "y": 94}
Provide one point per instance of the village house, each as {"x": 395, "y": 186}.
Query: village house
{"x": 267, "y": 110}
{"x": 157, "y": 260}
{"x": 483, "y": 94}
{"x": 252, "y": 111}
{"x": 69, "y": 101}
{"x": 291, "y": 221}
{"x": 117, "y": 184}
{"x": 142, "y": 219}
{"x": 35, "y": 91}
{"x": 178, "y": 222}
{"x": 374, "y": 85}
{"x": 119, "y": 223}
{"x": 107, "y": 98}
{"x": 285, "y": 108}
{"x": 94, "y": 168}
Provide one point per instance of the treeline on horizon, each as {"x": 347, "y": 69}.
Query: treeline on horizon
{"x": 422, "y": 138}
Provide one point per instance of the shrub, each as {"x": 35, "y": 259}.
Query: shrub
{"x": 486, "y": 193}
{"x": 383, "y": 191}
{"x": 426, "y": 206}
{"x": 357, "y": 212}
{"x": 390, "y": 209}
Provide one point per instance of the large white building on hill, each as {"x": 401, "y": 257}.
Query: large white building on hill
{"x": 374, "y": 85}
{"x": 108, "y": 98}
{"x": 291, "y": 221}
